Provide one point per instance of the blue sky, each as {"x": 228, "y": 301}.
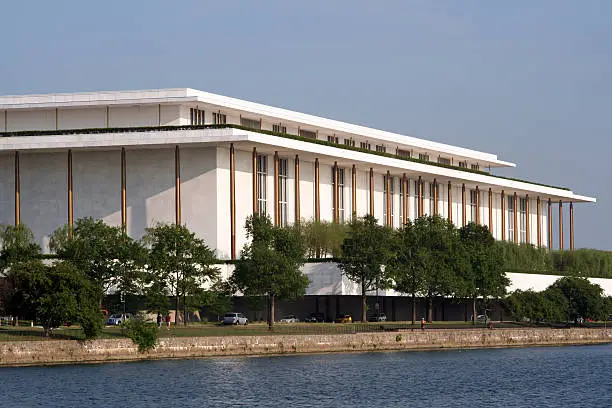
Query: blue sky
{"x": 529, "y": 81}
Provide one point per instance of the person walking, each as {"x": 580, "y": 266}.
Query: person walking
{"x": 422, "y": 323}
{"x": 168, "y": 320}
{"x": 159, "y": 320}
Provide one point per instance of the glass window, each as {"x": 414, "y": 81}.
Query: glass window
{"x": 250, "y": 123}
{"x": 475, "y": 167}
{"x": 381, "y": 148}
{"x": 365, "y": 145}
{"x": 340, "y": 193}
{"x": 279, "y": 128}
{"x": 349, "y": 142}
{"x": 282, "y": 196}
{"x": 332, "y": 139}
{"x": 219, "y": 118}
{"x": 262, "y": 173}
{"x": 473, "y": 207}
{"x": 444, "y": 160}
{"x": 309, "y": 134}
{"x": 511, "y": 218}
{"x": 522, "y": 215}
{"x": 391, "y": 194}
{"x": 463, "y": 164}
{"x": 403, "y": 153}
{"x": 423, "y": 156}
{"x": 197, "y": 116}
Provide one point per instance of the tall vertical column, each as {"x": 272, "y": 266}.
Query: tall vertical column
{"x": 123, "y": 192}
{"x": 420, "y": 198}
{"x": 297, "y": 188}
{"x": 317, "y": 196}
{"x": 354, "y": 192}
{"x": 490, "y": 210}
{"x": 571, "y": 226}
{"x": 503, "y": 216}
{"x": 404, "y": 199}
{"x": 560, "y": 225}
{"x": 477, "y": 205}
{"x": 435, "y": 197}
{"x": 255, "y": 192}
{"x": 388, "y": 187}
{"x": 276, "y": 188}
{"x": 70, "y": 200}
{"x": 232, "y": 202}
{"x": 177, "y": 187}
{"x": 516, "y": 227}
{"x": 17, "y": 192}
{"x": 371, "y": 192}
{"x": 527, "y": 221}
{"x": 336, "y": 200}
{"x": 450, "y": 201}
{"x": 463, "y": 206}
{"x": 539, "y": 226}
{"x": 550, "y": 225}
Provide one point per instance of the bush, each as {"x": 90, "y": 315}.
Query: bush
{"x": 142, "y": 333}
{"x": 92, "y": 322}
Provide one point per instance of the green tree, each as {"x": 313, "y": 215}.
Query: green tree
{"x": 179, "y": 263}
{"x": 404, "y": 266}
{"x": 323, "y": 238}
{"x": 366, "y": 251}
{"x": 57, "y": 294}
{"x": 484, "y": 275}
{"x": 17, "y": 247}
{"x": 103, "y": 252}
{"x": 438, "y": 257}
{"x": 584, "y": 299}
{"x": 548, "y": 305}
{"x": 270, "y": 263}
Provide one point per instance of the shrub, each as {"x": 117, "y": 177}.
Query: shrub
{"x": 142, "y": 333}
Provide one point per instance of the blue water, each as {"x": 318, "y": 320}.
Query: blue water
{"x": 530, "y": 377}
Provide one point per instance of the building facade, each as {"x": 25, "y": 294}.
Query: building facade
{"x": 207, "y": 161}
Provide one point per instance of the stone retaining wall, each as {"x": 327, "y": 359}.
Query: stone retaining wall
{"x": 68, "y": 351}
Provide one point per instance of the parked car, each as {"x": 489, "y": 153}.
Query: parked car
{"x": 379, "y": 317}
{"x": 235, "y": 318}
{"x": 289, "y": 319}
{"x": 118, "y": 318}
{"x": 343, "y": 318}
{"x": 315, "y": 318}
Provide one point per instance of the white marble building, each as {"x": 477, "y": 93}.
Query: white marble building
{"x": 133, "y": 159}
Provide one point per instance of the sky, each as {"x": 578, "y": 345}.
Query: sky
{"x": 528, "y": 81}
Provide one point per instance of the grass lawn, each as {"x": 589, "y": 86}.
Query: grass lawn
{"x": 9, "y": 333}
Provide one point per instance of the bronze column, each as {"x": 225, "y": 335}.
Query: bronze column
{"x": 335, "y": 194}
{"x": 490, "y": 210}
{"x": 560, "y": 225}
{"x": 388, "y": 186}
{"x": 17, "y": 192}
{"x": 571, "y": 226}
{"x": 435, "y": 197}
{"x": 177, "y": 171}
{"x": 354, "y": 192}
{"x": 550, "y": 225}
{"x": 539, "y": 226}
{"x": 371, "y": 192}
{"x": 404, "y": 199}
{"x": 516, "y": 227}
{"x": 503, "y": 216}
{"x": 276, "y": 191}
{"x": 255, "y": 201}
{"x": 123, "y": 192}
{"x": 477, "y": 205}
{"x": 317, "y": 197}
{"x": 232, "y": 202}
{"x": 420, "y": 197}
{"x": 70, "y": 199}
{"x": 463, "y": 205}
{"x": 449, "y": 193}
{"x": 297, "y": 188}
{"x": 527, "y": 221}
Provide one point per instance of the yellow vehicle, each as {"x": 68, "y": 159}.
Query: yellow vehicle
{"x": 343, "y": 318}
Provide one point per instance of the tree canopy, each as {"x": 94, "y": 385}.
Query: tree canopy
{"x": 270, "y": 263}
{"x": 366, "y": 251}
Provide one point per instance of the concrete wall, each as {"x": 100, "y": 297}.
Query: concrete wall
{"x": 58, "y": 351}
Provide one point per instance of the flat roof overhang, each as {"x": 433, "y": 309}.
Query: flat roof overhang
{"x": 246, "y": 140}
{"x": 241, "y": 107}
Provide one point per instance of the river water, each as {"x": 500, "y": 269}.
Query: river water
{"x": 526, "y": 377}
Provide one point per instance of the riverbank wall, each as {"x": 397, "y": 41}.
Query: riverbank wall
{"x": 49, "y": 352}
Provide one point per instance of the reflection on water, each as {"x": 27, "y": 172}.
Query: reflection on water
{"x": 536, "y": 377}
